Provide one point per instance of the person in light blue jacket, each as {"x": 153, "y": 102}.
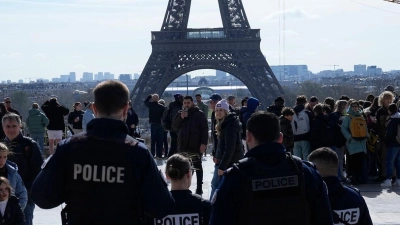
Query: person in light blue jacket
{"x": 9, "y": 170}
{"x": 88, "y": 115}
{"x": 357, "y": 149}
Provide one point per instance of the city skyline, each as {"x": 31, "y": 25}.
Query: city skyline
{"x": 45, "y": 39}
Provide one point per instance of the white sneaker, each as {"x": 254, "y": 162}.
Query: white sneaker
{"x": 386, "y": 183}
{"x": 397, "y": 182}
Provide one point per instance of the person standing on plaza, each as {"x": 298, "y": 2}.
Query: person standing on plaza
{"x": 301, "y": 126}
{"x": 286, "y": 128}
{"x": 231, "y": 99}
{"x": 277, "y": 107}
{"x": 26, "y": 155}
{"x": 156, "y": 111}
{"x": 203, "y": 107}
{"x": 132, "y": 120}
{"x": 192, "y": 127}
{"x": 214, "y": 99}
{"x": 347, "y": 204}
{"x": 174, "y": 107}
{"x": 75, "y": 118}
{"x": 36, "y": 123}
{"x": 55, "y": 112}
{"x": 7, "y": 101}
{"x": 3, "y": 111}
{"x": 230, "y": 149}
{"x": 88, "y": 115}
{"x": 104, "y": 175}
{"x": 165, "y": 135}
{"x": 242, "y": 111}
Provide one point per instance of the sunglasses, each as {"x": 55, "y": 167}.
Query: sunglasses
{"x": 8, "y": 101}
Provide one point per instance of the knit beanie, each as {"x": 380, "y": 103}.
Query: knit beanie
{"x": 223, "y": 104}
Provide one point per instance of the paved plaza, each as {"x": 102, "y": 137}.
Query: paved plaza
{"x": 384, "y": 204}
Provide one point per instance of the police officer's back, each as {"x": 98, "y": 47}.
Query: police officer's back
{"x": 347, "y": 204}
{"x": 189, "y": 208}
{"x": 269, "y": 186}
{"x": 103, "y": 175}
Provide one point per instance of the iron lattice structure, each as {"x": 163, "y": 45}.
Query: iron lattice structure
{"x": 177, "y": 50}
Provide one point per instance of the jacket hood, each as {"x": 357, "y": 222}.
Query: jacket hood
{"x": 33, "y": 111}
{"x": 353, "y": 113}
{"x": 11, "y": 165}
{"x": 298, "y": 108}
{"x": 252, "y": 104}
{"x": 231, "y": 120}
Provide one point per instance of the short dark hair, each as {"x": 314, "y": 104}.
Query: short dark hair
{"x": 287, "y": 111}
{"x": 244, "y": 100}
{"x": 313, "y": 99}
{"x": 326, "y": 108}
{"x": 301, "y": 99}
{"x": 264, "y": 126}
{"x": 198, "y": 95}
{"x": 331, "y": 102}
{"x": 110, "y": 96}
{"x": 177, "y": 166}
{"x": 326, "y": 156}
{"x": 188, "y": 97}
{"x": 318, "y": 108}
{"x": 392, "y": 108}
{"x": 344, "y": 97}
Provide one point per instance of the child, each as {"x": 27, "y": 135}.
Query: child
{"x": 11, "y": 212}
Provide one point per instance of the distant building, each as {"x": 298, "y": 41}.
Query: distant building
{"x": 125, "y": 77}
{"x": 373, "y": 71}
{"x": 290, "y": 71}
{"x": 108, "y": 76}
{"x": 87, "y": 76}
{"x": 360, "y": 69}
{"x": 136, "y": 76}
{"x": 55, "y": 80}
{"x": 20, "y": 81}
{"x": 8, "y": 81}
{"x": 65, "y": 78}
{"x": 72, "y": 77}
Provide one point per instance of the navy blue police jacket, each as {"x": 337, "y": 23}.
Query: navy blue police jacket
{"x": 104, "y": 176}
{"x": 347, "y": 204}
{"x": 228, "y": 201}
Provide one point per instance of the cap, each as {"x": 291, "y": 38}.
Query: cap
{"x": 223, "y": 104}
{"x": 279, "y": 99}
{"x": 389, "y": 88}
{"x": 215, "y": 97}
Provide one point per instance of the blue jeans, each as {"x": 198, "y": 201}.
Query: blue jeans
{"x": 39, "y": 138}
{"x": 340, "y": 154}
{"x": 392, "y": 160}
{"x": 215, "y": 181}
{"x": 157, "y": 134}
{"x": 301, "y": 149}
{"x": 28, "y": 211}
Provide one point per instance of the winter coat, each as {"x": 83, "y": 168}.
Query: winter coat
{"x": 193, "y": 130}
{"x": 230, "y": 148}
{"x": 12, "y": 110}
{"x": 318, "y": 132}
{"x": 353, "y": 146}
{"x": 203, "y": 107}
{"x": 275, "y": 109}
{"x": 287, "y": 131}
{"x": 132, "y": 119}
{"x": 381, "y": 117}
{"x": 87, "y": 117}
{"x": 213, "y": 133}
{"x": 55, "y": 113}
{"x": 175, "y": 107}
{"x": 391, "y": 131}
{"x": 156, "y": 111}
{"x": 72, "y": 116}
{"x": 17, "y": 184}
{"x": 252, "y": 104}
{"x": 242, "y": 111}
{"x": 36, "y": 121}
{"x": 13, "y": 214}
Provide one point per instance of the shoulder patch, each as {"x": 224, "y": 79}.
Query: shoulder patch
{"x": 46, "y": 161}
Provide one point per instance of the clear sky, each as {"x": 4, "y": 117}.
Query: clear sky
{"x": 47, "y": 38}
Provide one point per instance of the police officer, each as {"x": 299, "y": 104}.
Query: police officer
{"x": 270, "y": 186}
{"x": 189, "y": 208}
{"x": 348, "y": 206}
{"x": 103, "y": 175}
{"x": 26, "y": 154}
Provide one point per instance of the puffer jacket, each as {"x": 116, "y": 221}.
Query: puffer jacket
{"x": 391, "y": 131}
{"x": 230, "y": 149}
{"x": 193, "y": 130}
{"x": 353, "y": 146}
{"x": 16, "y": 183}
{"x": 13, "y": 214}
{"x": 36, "y": 121}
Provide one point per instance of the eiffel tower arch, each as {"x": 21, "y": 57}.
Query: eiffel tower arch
{"x": 234, "y": 49}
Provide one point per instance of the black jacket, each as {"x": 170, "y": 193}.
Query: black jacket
{"x": 230, "y": 148}
{"x": 132, "y": 118}
{"x": 193, "y": 130}
{"x": 391, "y": 131}
{"x": 72, "y": 116}
{"x": 55, "y": 113}
{"x": 319, "y": 136}
{"x": 287, "y": 131}
{"x": 175, "y": 107}
{"x": 27, "y": 156}
{"x": 13, "y": 214}
{"x": 213, "y": 133}
{"x": 156, "y": 111}
{"x": 104, "y": 176}
{"x": 242, "y": 111}
{"x": 275, "y": 109}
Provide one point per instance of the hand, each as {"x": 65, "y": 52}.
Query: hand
{"x": 220, "y": 172}
{"x": 184, "y": 114}
{"x": 133, "y": 126}
{"x": 203, "y": 148}
{"x": 215, "y": 160}
{"x": 76, "y": 119}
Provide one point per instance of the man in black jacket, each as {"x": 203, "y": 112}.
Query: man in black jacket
{"x": 214, "y": 99}
{"x": 26, "y": 155}
{"x": 7, "y": 100}
{"x": 193, "y": 136}
{"x": 174, "y": 108}
{"x": 156, "y": 111}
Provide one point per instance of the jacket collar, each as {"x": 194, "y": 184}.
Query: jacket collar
{"x": 107, "y": 127}
{"x": 266, "y": 149}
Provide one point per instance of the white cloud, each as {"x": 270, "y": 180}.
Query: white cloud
{"x": 40, "y": 56}
{"x": 293, "y": 13}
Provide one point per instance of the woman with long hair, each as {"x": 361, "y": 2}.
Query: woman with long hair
{"x": 230, "y": 148}
{"x": 11, "y": 212}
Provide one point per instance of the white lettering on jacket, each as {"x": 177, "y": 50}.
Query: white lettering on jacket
{"x": 275, "y": 183}
{"x": 105, "y": 174}
{"x": 180, "y": 219}
{"x": 351, "y": 216}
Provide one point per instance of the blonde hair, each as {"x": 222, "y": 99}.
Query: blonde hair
{"x": 9, "y": 188}
{"x": 385, "y": 95}
{"x": 219, "y": 123}
{"x": 4, "y": 148}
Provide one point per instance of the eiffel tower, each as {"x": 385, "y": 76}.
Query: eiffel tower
{"x": 177, "y": 50}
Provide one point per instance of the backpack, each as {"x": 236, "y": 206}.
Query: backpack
{"x": 358, "y": 127}
{"x": 301, "y": 123}
{"x": 166, "y": 119}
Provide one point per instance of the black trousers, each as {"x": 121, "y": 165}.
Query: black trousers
{"x": 197, "y": 164}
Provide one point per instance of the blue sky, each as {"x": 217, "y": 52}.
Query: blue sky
{"x": 48, "y": 38}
